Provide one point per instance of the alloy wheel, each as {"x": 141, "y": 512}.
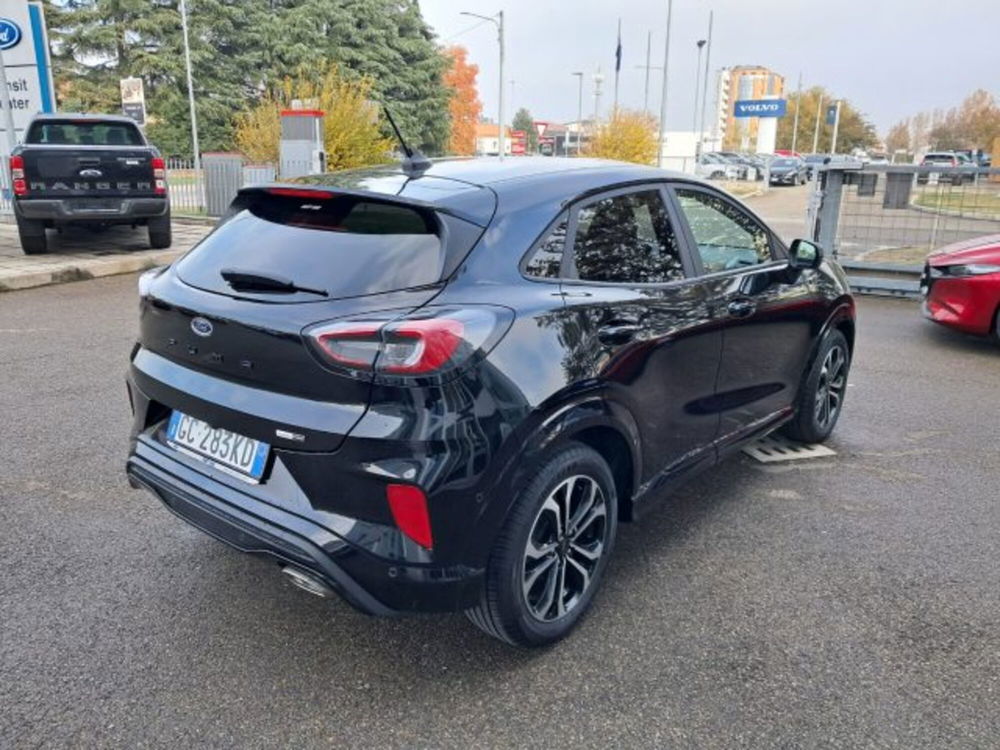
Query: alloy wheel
{"x": 830, "y": 389}
{"x": 564, "y": 548}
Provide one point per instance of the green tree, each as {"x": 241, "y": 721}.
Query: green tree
{"x": 973, "y": 124}
{"x": 524, "y": 121}
{"x": 855, "y": 130}
{"x": 898, "y": 138}
{"x": 241, "y": 49}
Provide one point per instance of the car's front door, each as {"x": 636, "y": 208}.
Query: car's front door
{"x": 768, "y": 311}
{"x": 639, "y": 324}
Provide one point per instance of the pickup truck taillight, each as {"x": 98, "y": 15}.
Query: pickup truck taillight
{"x": 159, "y": 175}
{"x": 17, "y": 175}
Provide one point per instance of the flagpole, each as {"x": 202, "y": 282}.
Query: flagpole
{"x": 618, "y": 67}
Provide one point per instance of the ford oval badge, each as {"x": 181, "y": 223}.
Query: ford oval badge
{"x": 201, "y": 326}
{"x": 10, "y": 33}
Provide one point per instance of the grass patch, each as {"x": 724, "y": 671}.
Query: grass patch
{"x": 973, "y": 202}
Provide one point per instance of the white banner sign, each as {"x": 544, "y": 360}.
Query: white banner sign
{"x": 24, "y": 44}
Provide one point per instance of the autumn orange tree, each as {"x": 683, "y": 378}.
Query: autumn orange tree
{"x": 464, "y": 106}
{"x": 627, "y": 136}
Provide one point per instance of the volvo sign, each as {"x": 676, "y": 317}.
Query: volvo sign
{"x": 760, "y": 108}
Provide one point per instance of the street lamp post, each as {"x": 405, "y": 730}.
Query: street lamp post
{"x": 663, "y": 96}
{"x": 697, "y": 92}
{"x": 579, "y": 114}
{"x": 190, "y": 87}
{"x": 704, "y": 84}
{"x": 498, "y": 22}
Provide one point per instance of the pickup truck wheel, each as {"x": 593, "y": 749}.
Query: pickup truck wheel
{"x": 32, "y": 236}
{"x": 159, "y": 232}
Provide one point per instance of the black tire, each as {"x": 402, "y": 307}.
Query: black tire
{"x": 32, "y": 236}
{"x": 159, "y": 232}
{"x": 517, "y": 588}
{"x": 826, "y": 379}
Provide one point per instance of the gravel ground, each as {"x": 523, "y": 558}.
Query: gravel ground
{"x": 842, "y": 602}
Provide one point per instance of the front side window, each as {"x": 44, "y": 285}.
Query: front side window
{"x": 626, "y": 239}
{"x": 726, "y": 237}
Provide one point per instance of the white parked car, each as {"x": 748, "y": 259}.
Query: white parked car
{"x": 714, "y": 167}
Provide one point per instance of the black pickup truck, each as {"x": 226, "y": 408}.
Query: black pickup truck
{"x": 91, "y": 170}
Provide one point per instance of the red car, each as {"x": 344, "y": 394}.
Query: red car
{"x": 961, "y": 286}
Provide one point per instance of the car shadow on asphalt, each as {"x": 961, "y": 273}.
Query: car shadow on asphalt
{"x": 959, "y": 342}
{"x": 418, "y": 647}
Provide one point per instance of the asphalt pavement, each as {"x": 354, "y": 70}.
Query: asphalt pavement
{"x": 851, "y": 601}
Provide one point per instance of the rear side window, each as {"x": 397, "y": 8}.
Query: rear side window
{"x": 346, "y": 245}
{"x": 626, "y": 239}
{"x": 68, "y": 133}
{"x": 546, "y": 260}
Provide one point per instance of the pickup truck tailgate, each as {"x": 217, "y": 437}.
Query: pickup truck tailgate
{"x": 75, "y": 171}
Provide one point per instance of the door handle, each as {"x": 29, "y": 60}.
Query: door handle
{"x": 741, "y": 308}
{"x": 617, "y": 332}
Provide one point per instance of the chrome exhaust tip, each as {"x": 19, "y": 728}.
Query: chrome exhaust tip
{"x": 307, "y": 582}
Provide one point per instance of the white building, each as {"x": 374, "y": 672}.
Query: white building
{"x": 679, "y": 147}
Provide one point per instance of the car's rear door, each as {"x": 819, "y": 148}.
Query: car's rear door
{"x": 768, "y": 312}
{"x": 637, "y": 324}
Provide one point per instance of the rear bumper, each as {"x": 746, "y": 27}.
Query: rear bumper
{"x": 83, "y": 209}
{"x": 371, "y": 584}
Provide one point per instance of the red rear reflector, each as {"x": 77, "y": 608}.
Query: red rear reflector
{"x": 409, "y": 509}
{"x": 20, "y": 187}
{"x": 301, "y": 193}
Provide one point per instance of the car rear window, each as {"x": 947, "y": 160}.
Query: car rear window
{"x": 783, "y": 163}
{"x": 69, "y": 133}
{"x": 347, "y": 245}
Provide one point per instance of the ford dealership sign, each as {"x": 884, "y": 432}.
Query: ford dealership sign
{"x": 10, "y": 34}
{"x": 760, "y": 108}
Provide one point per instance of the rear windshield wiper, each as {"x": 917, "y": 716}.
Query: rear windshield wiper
{"x": 249, "y": 281}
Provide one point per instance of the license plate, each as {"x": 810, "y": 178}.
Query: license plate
{"x": 224, "y": 449}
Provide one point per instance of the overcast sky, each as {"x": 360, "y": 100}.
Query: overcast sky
{"x": 890, "y": 58}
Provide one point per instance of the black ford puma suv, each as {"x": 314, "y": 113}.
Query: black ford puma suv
{"x": 444, "y": 390}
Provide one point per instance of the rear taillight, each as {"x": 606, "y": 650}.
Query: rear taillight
{"x": 17, "y": 175}
{"x": 159, "y": 175}
{"x": 428, "y": 343}
{"x": 409, "y": 510}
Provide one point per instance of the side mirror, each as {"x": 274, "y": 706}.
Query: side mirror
{"x": 805, "y": 254}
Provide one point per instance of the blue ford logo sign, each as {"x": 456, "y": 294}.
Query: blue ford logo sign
{"x": 10, "y": 33}
{"x": 201, "y": 326}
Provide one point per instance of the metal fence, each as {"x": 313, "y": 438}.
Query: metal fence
{"x": 898, "y": 214}
{"x": 207, "y": 191}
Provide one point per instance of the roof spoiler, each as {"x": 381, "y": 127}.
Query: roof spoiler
{"x": 307, "y": 191}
